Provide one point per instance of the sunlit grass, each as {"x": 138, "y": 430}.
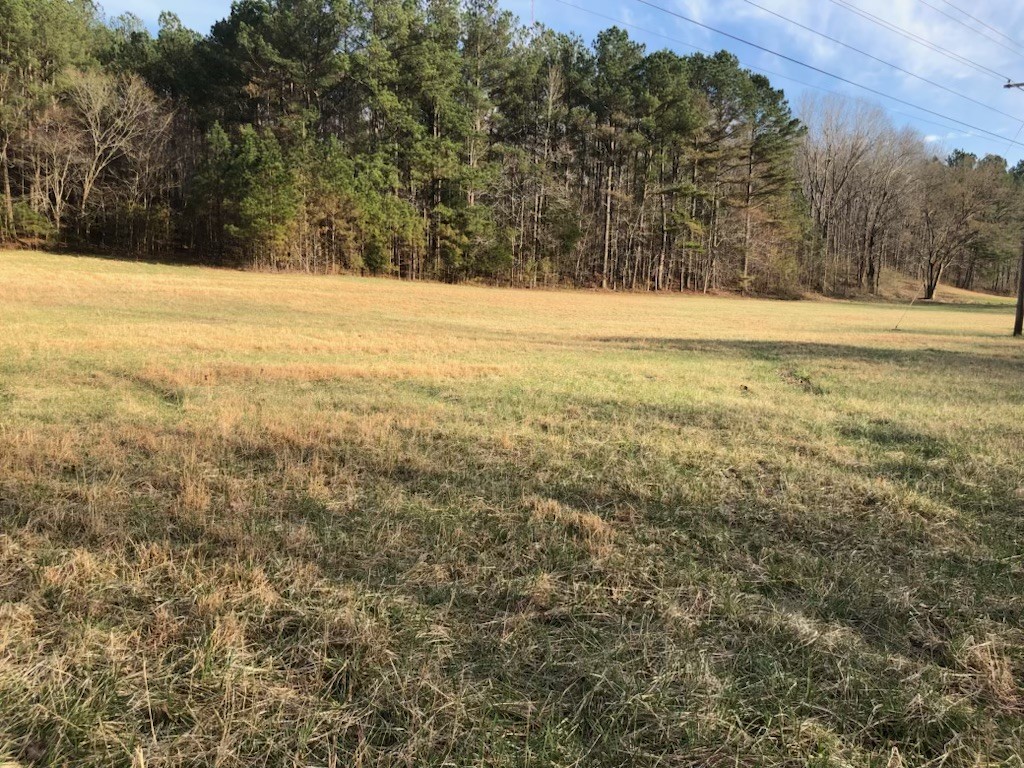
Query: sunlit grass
{"x": 289, "y": 520}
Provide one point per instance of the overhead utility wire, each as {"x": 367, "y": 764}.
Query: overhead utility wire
{"x": 819, "y": 70}
{"x": 1010, "y": 145}
{"x": 882, "y": 61}
{"x": 975, "y": 30}
{"x": 918, "y": 39}
{"x": 987, "y": 26}
{"x": 1000, "y": 141}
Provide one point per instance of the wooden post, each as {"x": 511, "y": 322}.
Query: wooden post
{"x": 1018, "y": 323}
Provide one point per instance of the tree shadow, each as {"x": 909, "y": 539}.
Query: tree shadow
{"x": 175, "y": 259}
{"x": 993, "y": 307}
{"x": 769, "y": 351}
{"x": 441, "y": 532}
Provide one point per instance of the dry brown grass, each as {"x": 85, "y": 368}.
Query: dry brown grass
{"x": 281, "y": 520}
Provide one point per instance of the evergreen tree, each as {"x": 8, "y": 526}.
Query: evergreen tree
{"x": 442, "y": 139}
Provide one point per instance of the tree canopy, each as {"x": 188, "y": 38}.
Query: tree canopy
{"x": 443, "y": 139}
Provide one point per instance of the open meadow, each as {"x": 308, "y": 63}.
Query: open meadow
{"x": 271, "y": 519}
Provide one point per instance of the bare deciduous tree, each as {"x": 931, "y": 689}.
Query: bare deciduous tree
{"x": 116, "y": 119}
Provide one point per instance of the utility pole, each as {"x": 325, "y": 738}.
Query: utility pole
{"x": 1018, "y": 322}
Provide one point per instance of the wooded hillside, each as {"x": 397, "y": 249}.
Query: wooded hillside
{"x": 443, "y": 139}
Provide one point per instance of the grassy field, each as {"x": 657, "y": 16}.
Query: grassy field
{"x": 280, "y": 520}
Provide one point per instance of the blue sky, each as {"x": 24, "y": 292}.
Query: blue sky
{"x": 924, "y": 18}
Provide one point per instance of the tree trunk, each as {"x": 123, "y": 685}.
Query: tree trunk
{"x": 660, "y": 277}
{"x": 746, "y": 224}
{"x": 8, "y": 222}
{"x": 932, "y": 277}
{"x": 607, "y": 225}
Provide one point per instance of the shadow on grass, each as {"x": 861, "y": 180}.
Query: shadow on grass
{"x": 993, "y": 307}
{"x": 177, "y": 259}
{"x": 781, "y": 350}
{"x": 846, "y": 567}
{"x": 652, "y": 591}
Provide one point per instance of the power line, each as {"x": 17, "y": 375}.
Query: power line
{"x": 882, "y": 61}
{"x": 1010, "y": 146}
{"x": 1000, "y": 141}
{"x": 987, "y": 26}
{"x": 975, "y": 30}
{"x": 819, "y": 70}
{"x": 918, "y": 39}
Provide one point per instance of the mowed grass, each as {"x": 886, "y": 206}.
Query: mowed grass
{"x": 281, "y": 520}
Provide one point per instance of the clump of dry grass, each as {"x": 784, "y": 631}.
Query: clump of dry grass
{"x": 992, "y": 676}
{"x": 592, "y": 533}
{"x": 533, "y": 529}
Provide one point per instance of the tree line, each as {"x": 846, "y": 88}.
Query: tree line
{"x": 879, "y": 197}
{"x": 442, "y": 139}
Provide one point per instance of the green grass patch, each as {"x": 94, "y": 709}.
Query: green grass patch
{"x": 293, "y": 520}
